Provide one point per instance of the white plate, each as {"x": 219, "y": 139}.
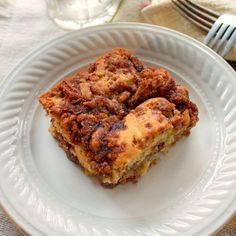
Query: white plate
{"x": 191, "y": 191}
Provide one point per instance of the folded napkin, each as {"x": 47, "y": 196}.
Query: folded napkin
{"x": 162, "y": 13}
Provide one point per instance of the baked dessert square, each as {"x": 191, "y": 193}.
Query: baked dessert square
{"x": 114, "y": 115}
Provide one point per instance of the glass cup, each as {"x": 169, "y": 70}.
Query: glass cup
{"x": 75, "y": 14}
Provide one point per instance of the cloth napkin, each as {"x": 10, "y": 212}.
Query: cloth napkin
{"x": 24, "y": 26}
{"x": 163, "y": 14}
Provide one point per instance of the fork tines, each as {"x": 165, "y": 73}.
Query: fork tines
{"x": 221, "y": 28}
{"x": 196, "y": 13}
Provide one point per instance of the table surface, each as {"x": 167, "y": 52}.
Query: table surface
{"x": 233, "y": 64}
{"x": 16, "y": 21}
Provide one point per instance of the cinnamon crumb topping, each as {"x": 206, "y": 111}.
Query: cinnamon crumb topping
{"x": 91, "y": 105}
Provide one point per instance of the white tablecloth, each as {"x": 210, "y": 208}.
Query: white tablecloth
{"x": 24, "y": 26}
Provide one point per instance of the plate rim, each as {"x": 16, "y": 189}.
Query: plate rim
{"x": 7, "y": 206}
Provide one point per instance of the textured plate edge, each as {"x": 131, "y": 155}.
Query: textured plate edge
{"x": 29, "y": 228}
{"x": 49, "y": 43}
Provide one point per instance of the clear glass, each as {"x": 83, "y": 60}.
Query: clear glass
{"x": 75, "y": 14}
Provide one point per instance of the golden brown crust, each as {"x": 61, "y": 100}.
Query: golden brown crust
{"x": 115, "y": 109}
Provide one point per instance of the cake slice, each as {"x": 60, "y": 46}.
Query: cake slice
{"x": 113, "y": 116}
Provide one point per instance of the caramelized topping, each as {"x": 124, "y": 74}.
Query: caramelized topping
{"x": 93, "y": 103}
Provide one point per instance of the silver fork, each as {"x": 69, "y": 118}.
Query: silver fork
{"x": 221, "y": 28}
